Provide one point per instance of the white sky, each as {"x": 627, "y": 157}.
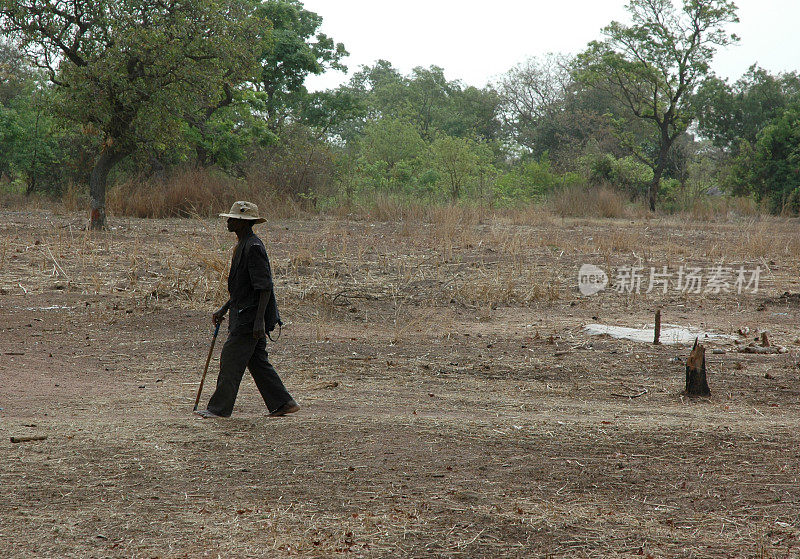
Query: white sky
{"x": 477, "y": 41}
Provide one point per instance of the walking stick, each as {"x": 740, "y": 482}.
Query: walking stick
{"x": 208, "y": 360}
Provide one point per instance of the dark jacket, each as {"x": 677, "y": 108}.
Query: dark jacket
{"x": 250, "y": 273}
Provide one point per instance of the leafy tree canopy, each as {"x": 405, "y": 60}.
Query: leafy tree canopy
{"x": 773, "y": 168}
{"x": 653, "y": 66}
{"x": 426, "y": 99}
{"x": 295, "y": 50}
{"x": 129, "y": 69}
{"x": 728, "y": 114}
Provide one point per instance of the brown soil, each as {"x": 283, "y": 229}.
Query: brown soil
{"x": 451, "y": 403}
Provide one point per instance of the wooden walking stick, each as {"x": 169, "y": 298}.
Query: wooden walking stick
{"x": 208, "y": 360}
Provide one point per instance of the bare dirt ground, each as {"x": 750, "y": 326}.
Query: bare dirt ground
{"x": 452, "y": 404}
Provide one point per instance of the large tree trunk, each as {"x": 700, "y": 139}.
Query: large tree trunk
{"x": 98, "y": 180}
{"x": 652, "y": 191}
{"x": 658, "y": 172}
{"x": 661, "y": 165}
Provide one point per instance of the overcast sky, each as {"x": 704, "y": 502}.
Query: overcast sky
{"x": 477, "y": 41}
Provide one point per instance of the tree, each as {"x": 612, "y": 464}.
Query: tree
{"x": 129, "y": 70}
{"x": 289, "y": 48}
{"x": 774, "y": 166}
{"x": 15, "y": 73}
{"x": 460, "y": 161}
{"x": 29, "y": 137}
{"x": 531, "y": 94}
{"x": 654, "y": 66}
{"x": 551, "y": 115}
{"x": 729, "y": 114}
{"x": 295, "y": 50}
{"x": 389, "y": 149}
{"x": 427, "y": 100}
{"x": 476, "y": 114}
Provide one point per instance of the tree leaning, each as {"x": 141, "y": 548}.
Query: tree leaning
{"x": 127, "y": 70}
{"x": 653, "y": 67}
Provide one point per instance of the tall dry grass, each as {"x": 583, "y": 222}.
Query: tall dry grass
{"x": 194, "y": 192}
{"x": 387, "y": 208}
{"x": 720, "y": 208}
{"x": 184, "y": 194}
{"x": 579, "y": 201}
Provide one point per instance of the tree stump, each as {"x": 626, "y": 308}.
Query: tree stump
{"x": 696, "y": 383}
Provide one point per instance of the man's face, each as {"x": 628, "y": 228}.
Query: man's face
{"x": 234, "y": 224}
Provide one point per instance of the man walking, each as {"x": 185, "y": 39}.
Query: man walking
{"x": 253, "y": 313}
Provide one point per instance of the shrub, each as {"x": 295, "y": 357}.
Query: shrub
{"x": 625, "y": 173}
{"x": 792, "y": 205}
{"x": 530, "y": 181}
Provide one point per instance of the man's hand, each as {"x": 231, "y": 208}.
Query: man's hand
{"x": 219, "y": 314}
{"x": 259, "y": 331}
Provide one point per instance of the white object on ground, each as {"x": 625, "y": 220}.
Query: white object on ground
{"x": 671, "y": 334}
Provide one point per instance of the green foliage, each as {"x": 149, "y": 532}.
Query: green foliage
{"x": 289, "y": 48}
{"x": 774, "y": 166}
{"x": 425, "y": 99}
{"x": 393, "y": 156}
{"x": 12, "y": 141}
{"x": 133, "y": 71}
{"x": 16, "y": 75}
{"x": 221, "y": 83}
{"x": 456, "y": 160}
{"x": 292, "y": 51}
{"x": 625, "y": 173}
{"x": 532, "y": 94}
{"x": 389, "y": 153}
{"x": 530, "y": 180}
{"x": 730, "y": 114}
{"x": 29, "y": 138}
{"x": 331, "y": 112}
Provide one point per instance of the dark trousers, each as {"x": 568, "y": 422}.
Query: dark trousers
{"x": 237, "y": 353}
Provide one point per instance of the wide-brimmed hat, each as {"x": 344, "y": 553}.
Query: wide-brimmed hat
{"x": 244, "y": 210}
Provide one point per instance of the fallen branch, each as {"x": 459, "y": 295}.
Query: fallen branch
{"x": 58, "y": 266}
{"x": 28, "y": 439}
{"x": 770, "y": 350}
{"x": 642, "y": 392}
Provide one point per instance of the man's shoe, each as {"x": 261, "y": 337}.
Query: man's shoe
{"x": 205, "y": 414}
{"x": 287, "y": 408}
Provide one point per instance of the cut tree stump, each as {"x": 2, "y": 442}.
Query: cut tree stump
{"x": 696, "y": 383}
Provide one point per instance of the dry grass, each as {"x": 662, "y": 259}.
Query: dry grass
{"x": 720, "y": 208}
{"x": 188, "y": 193}
{"x": 192, "y": 193}
{"x": 578, "y": 201}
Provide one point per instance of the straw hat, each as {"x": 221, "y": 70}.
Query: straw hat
{"x": 244, "y": 210}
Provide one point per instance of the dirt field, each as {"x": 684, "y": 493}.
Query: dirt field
{"x": 452, "y": 404}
